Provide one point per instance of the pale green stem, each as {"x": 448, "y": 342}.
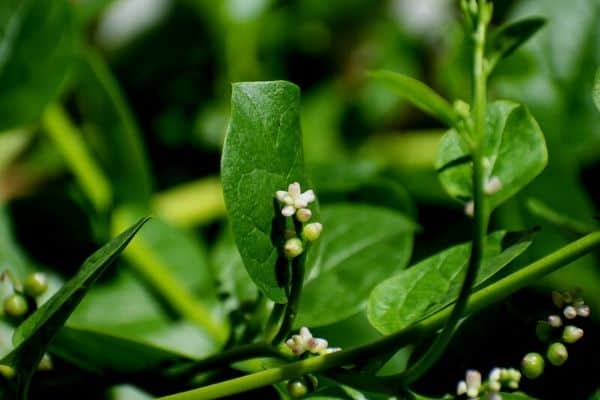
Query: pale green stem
{"x": 69, "y": 142}
{"x": 477, "y": 301}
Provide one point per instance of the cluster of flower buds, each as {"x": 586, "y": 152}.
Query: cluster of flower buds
{"x": 304, "y": 341}
{"x": 295, "y": 204}
{"x": 473, "y": 387}
{"x": 551, "y": 330}
{"x": 17, "y": 305}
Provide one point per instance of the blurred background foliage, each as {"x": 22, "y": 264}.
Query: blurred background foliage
{"x": 114, "y": 109}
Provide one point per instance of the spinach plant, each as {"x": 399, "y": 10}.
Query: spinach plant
{"x": 299, "y": 265}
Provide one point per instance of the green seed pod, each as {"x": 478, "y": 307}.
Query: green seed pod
{"x": 36, "y": 284}
{"x": 557, "y": 354}
{"x": 532, "y": 365}
{"x": 297, "y": 388}
{"x": 15, "y": 305}
{"x": 571, "y": 334}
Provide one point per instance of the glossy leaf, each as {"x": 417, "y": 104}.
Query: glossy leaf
{"x": 36, "y": 51}
{"x": 102, "y": 354}
{"x": 596, "y": 92}
{"x": 433, "y": 283}
{"x": 32, "y": 337}
{"x": 262, "y": 154}
{"x": 360, "y": 246}
{"x": 514, "y": 151}
{"x": 419, "y": 94}
{"x": 510, "y": 37}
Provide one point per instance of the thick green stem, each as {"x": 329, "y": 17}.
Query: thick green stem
{"x": 274, "y": 322}
{"x": 294, "y": 300}
{"x": 481, "y": 214}
{"x": 478, "y": 300}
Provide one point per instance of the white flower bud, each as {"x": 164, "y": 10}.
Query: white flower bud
{"x": 293, "y": 247}
{"x": 303, "y": 214}
{"x": 583, "y": 310}
{"x": 495, "y": 374}
{"x": 312, "y": 231}
{"x": 461, "y": 388}
{"x": 554, "y": 321}
{"x": 317, "y": 345}
{"x": 570, "y": 312}
{"x": 470, "y": 208}
{"x": 473, "y": 383}
{"x": 492, "y": 186}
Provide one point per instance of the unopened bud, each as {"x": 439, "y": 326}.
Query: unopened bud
{"x": 7, "y": 371}
{"x": 571, "y": 334}
{"x": 557, "y": 354}
{"x": 46, "y": 363}
{"x": 461, "y": 388}
{"x": 35, "y": 284}
{"x": 297, "y": 388}
{"x": 470, "y": 208}
{"x": 492, "y": 186}
{"x": 293, "y": 247}
{"x": 532, "y": 365}
{"x": 554, "y": 321}
{"x": 583, "y": 310}
{"x": 303, "y": 214}
{"x": 570, "y": 312}
{"x": 15, "y": 305}
{"x": 312, "y": 231}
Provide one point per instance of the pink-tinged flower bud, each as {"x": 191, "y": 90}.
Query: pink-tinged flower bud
{"x": 293, "y": 247}
{"x": 312, "y": 231}
{"x": 303, "y": 214}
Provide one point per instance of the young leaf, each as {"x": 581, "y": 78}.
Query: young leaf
{"x": 433, "y": 283}
{"x": 510, "y": 37}
{"x": 262, "y": 154}
{"x": 596, "y": 93}
{"x": 32, "y": 337}
{"x": 421, "y": 95}
{"x": 36, "y": 51}
{"x": 360, "y": 246}
{"x": 514, "y": 152}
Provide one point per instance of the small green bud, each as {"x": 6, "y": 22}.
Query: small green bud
{"x": 36, "y": 284}
{"x": 46, "y": 363}
{"x": 7, "y": 371}
{"x": 312, "y": 231}
{"x": 15, "y": 305}
{"x": 297, "y": 388}
{"x": 293, "y": 247}
{"x": 303, "y": 214}
{"x": 532, "y": 365}
{"x": 571, "y": 334}
{"x": 557, "y": 354}
{"x": 543, "y": 330}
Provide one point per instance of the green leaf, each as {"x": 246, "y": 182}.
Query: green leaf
{"x": 596, "y": 92}
{"x": 360, "y": 246}
{"x": 262, "y": 154}
{"x": 109, "y": 121}
{"x": 36, "y": 51}
{"x": 433, "y": 283}
{"x": 32, "y": 337}
{"x": 100, "y": 353}
{"x": 514, "y": 151}
{"x": 510, "y": 37}
{"x": 421, "y": 95}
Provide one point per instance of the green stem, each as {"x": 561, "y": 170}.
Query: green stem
{"x": 294, "y": 300}
{"x": 477, "y": 301}
{"x": 69, "y": 142}
{"x": 481, "y": 215}
{"x": 274, "y": 322}
{"x": 245, "y": 352}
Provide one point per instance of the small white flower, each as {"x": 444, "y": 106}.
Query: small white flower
{"x": 294, "y": 199}
{"x": 492, "y": 186}
{"x": 305, "y": 341}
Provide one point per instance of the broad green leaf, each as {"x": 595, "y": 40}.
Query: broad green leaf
{"x": 596, "y": 92}
{"x": 32, "y": 337}
{"x": 103, "y": 354}
{"x": 116, "y": 137}
{"x": 262, "y": 154}
{"x": 360, "y": 246}
{"x": 510, "y": 37}
{"x": 421, "y": 95}
{"x": 514, "y": 151}
{"x": 175, "y": 267}
{"x": 433, "y": 283}
{"x": 36, "y": 51}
